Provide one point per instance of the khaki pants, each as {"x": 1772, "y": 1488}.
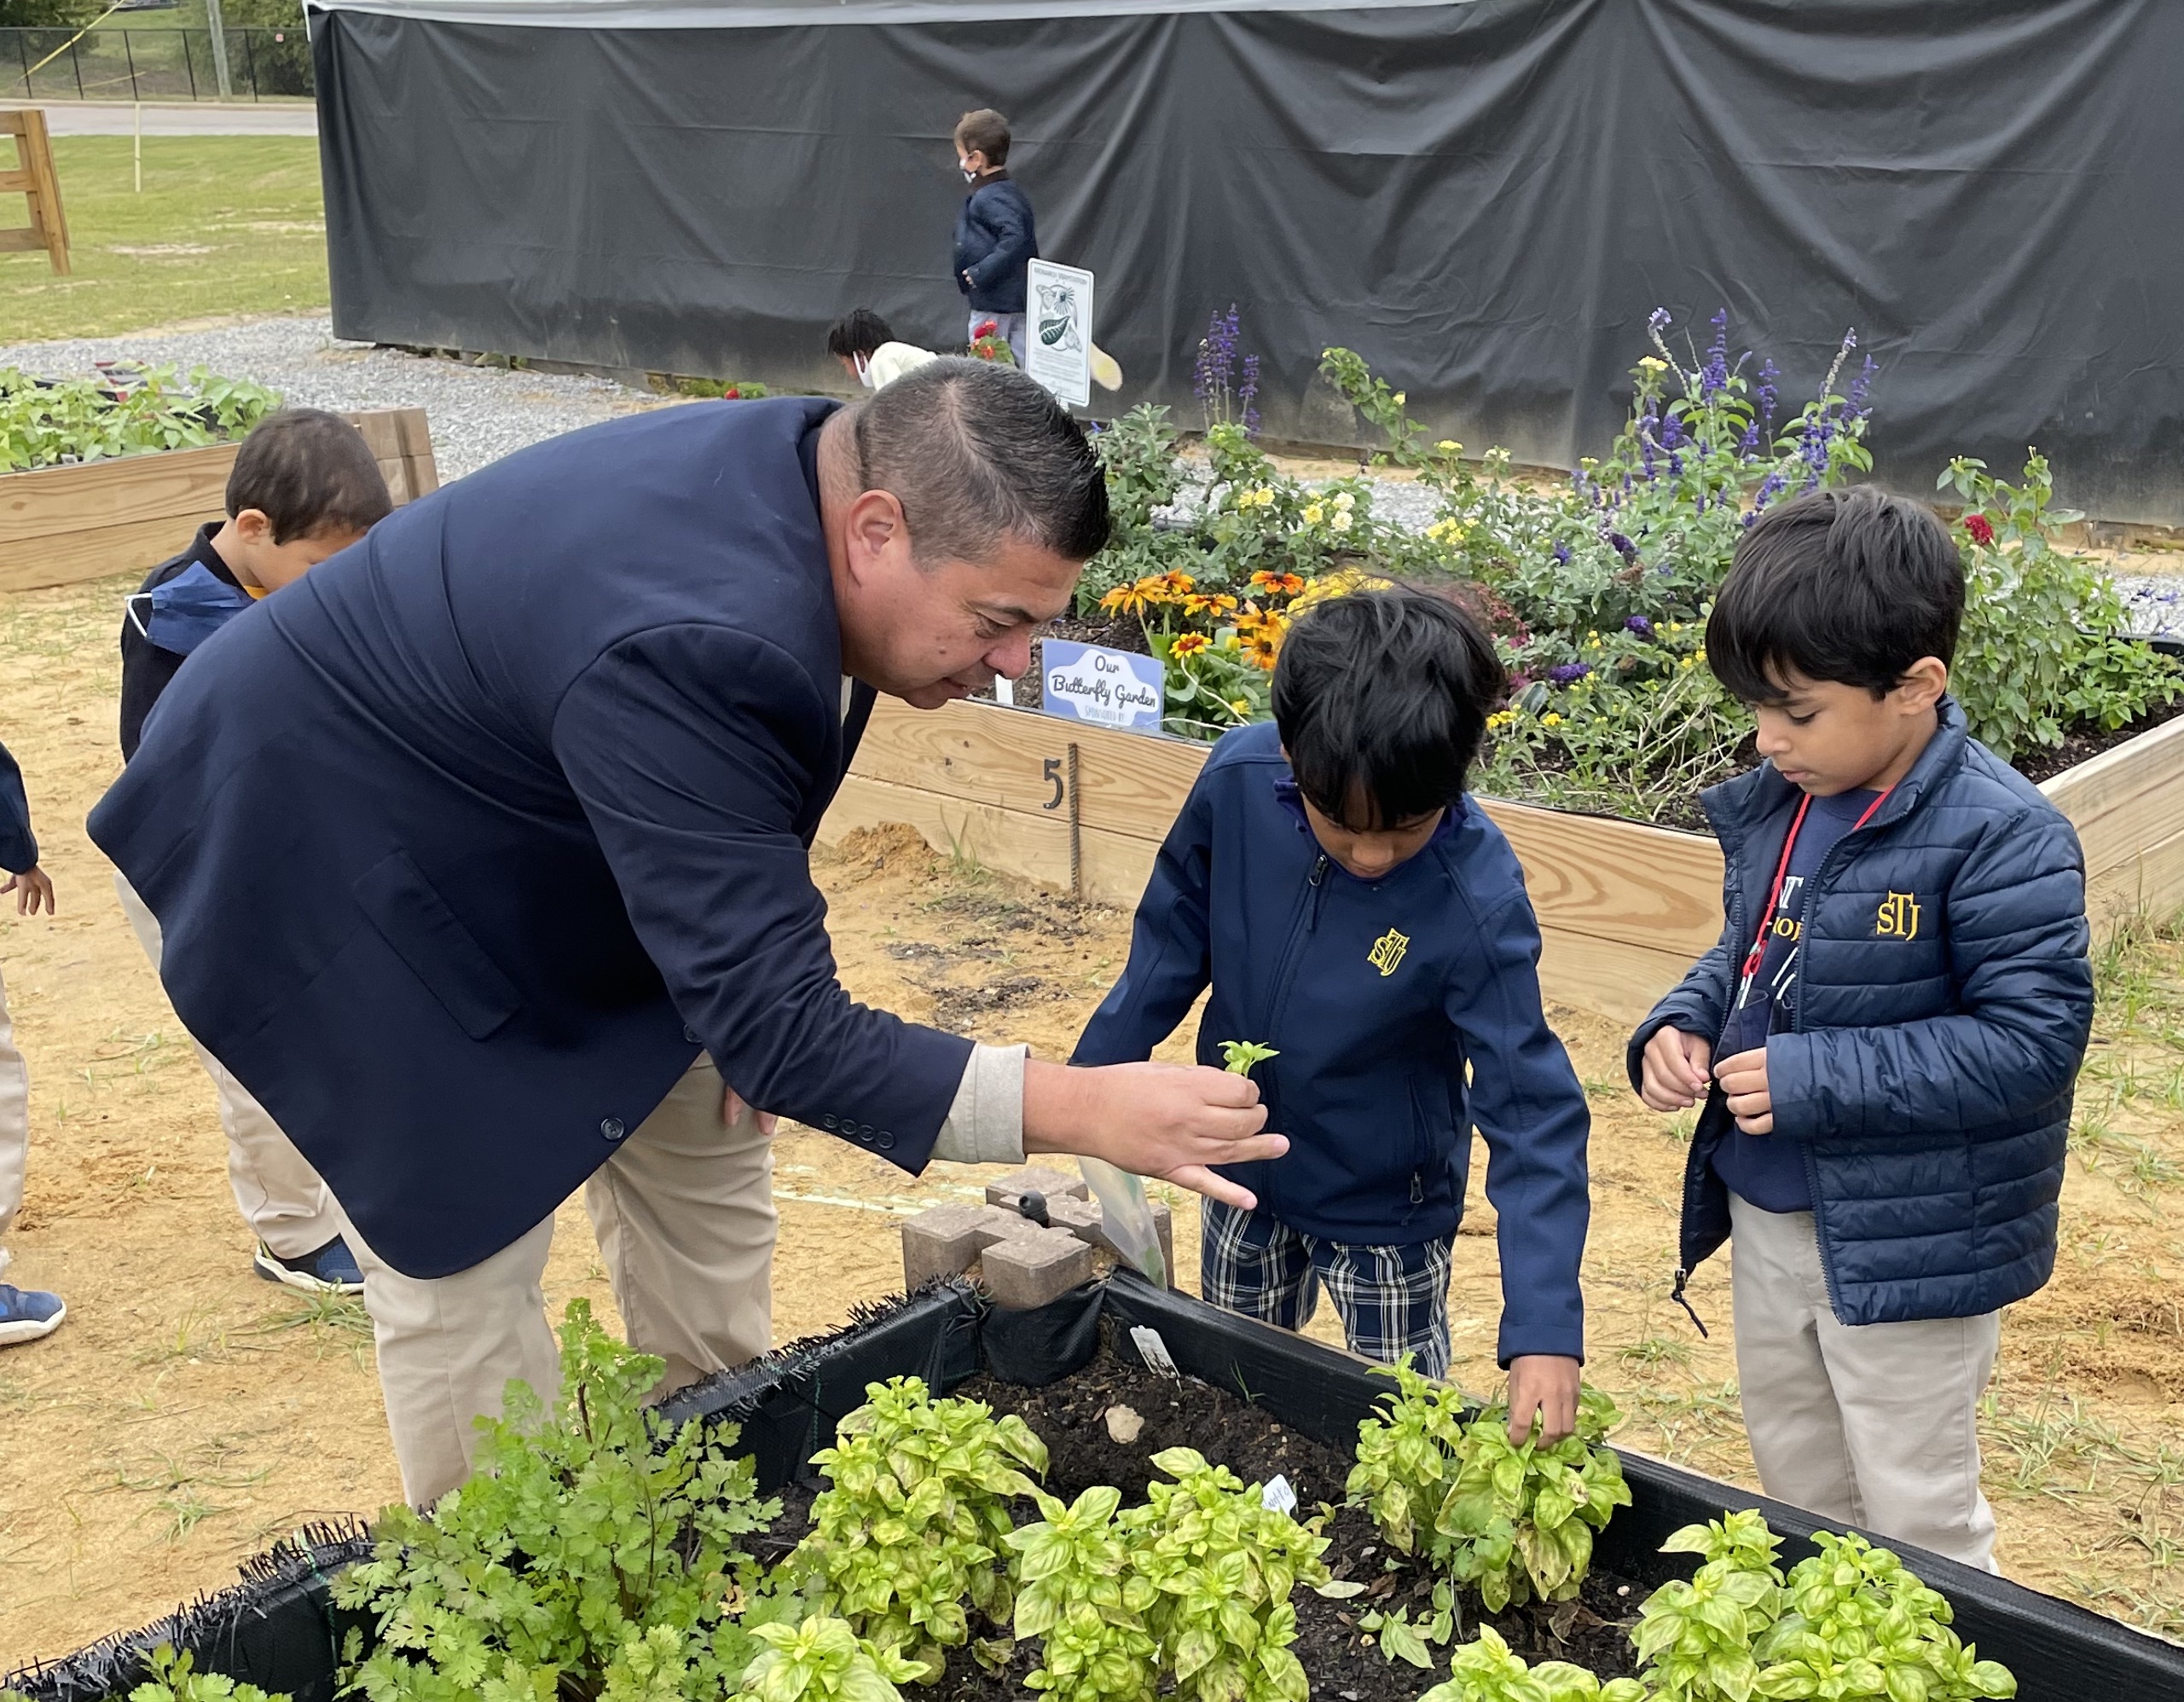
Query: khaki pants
{"x": 280, "y": 1195}
{"x": 684, "y": 1214}
{"x": 1875, "y": 1424}
{"x": 14, "y": 1127}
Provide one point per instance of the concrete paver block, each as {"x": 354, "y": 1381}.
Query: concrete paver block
{"x": 1000, "y": 1223}
{"x": 941, "y": 1242}
{"x": 1033, "y": 1271}
{"x": 1006, "y": 1190}
{"x": 1080, "y": 1218}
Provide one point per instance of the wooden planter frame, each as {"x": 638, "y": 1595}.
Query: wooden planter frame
{"x": 1624, "y": 908}
{"x": 62, "y": 525}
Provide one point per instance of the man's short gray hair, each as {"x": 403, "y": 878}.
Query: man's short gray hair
{"x": 976, "y": 453}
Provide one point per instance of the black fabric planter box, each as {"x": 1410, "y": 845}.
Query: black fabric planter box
{"x": 279, "y": 1631}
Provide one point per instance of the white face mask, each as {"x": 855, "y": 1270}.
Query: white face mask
{"x": 864, "y": 372}
{"x": 969, "y": 176}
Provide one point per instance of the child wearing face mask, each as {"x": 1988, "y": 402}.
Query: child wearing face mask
{"x": 304, "y": 485}
{"x": 869, "y": 352}
{"x": 995, "y": 239}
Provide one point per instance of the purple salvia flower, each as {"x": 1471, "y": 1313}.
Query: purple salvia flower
{"x": 1767, "y": 395}
{"x": 1658, "y": 319}
{"x": 1563, "y": 673}
{"x": 1623, "y": 547}
{"x": 1747, "y": 446}
{"x": 1562, "y": 554}
{"x": 1675, "y": 464}
{"x": 1861, "y": 386}
{"x": 1640, "y": 625}
{"x": 1249, "y": 394}
{"x": 1713, "y": 378}
{"x": 1672, "y": 432}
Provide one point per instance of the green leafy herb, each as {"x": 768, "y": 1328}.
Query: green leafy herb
{"x": 48, "y": 423}
{"x": 173, "y": 1680}
{"x": 592, "y": 1553}
{"x": 823, "y": 1657}
{"x": 1695, "y": 1638}
{"x": 1079, "y": 1593}
{"x": 1237, "y": 1057}
{"x": 1489, "y": 1671}
{"x": 912, "y": 1528}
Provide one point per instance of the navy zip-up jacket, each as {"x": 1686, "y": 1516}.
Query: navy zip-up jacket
{"x": 1943, "y": 1001}
{"x": 18, "y": 844}
{"x": 995, "y": 239}
{"x": 1380, "y": 996}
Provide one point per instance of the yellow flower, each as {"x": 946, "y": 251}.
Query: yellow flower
{"x": 1313, "y": 514}
{"x": 1448, "y": 446}
{"x": 1239, "y": 706}
{"x": 1686, "y": 662}
{"x": 1260, "y": 497}
{"x": 1400, "y": 398}
{"x": 1337, "y": 585}
{"x": 1189, "y": 644}
{"x": 1344, "y": 501}
{"x": 1277, "y": 584}
{"x": 1652, "y": 363}
{"x": 1128, "y": 600}
{"x": 1199, "y": 603}
{"x": 1340, "y": 522}
{"x": 1700, "y": 654}
{"x": 1551, "y": 718}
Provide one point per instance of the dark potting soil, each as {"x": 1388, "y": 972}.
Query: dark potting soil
{"x": 1070, "y": 1417}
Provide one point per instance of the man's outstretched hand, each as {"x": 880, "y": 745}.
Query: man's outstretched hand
{"x": 1174, "y": 1122}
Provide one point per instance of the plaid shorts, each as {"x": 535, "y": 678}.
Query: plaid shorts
{"x": 1392, "y": 1300}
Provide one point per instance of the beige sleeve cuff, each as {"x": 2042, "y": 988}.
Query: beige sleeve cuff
{"x": 985, "y": 1125}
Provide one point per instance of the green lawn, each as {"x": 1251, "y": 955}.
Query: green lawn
{"x": 226, "y": 224}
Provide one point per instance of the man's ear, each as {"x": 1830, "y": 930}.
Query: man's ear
{"x": 876, "y": 530}
{"x": 1921, "y": 686}
{"x": 253, "y": 526}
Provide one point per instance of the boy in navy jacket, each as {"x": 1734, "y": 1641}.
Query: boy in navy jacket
{"x": 1886, "y": 1036}
{"x": 995, "y": 236}
{"x": 25, "y": 1314}
{"x": 1353, "y": 910}
{"x": 304, "y": 486}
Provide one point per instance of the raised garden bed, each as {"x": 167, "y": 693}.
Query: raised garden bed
{"x": 1624, "y": 908}
{"x": 1260, "y": 1400}
{"x": 62, "y": 524}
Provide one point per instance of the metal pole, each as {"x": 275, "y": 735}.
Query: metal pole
{"x": 134, "y": 93}
{"x": 188, "y": 64}
{"x": 76, "y": 60}
{"x": 219, "y": 48}
{"x": 136, "y": 148}
{"x": 250, "y": 63}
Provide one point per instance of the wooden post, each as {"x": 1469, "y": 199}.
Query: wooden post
{"x": 34, "y": 177}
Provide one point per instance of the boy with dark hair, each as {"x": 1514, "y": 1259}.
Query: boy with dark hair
{"x": 1886, "y": 1038}
{"x": 25, "y": 1314}
{"x": 868, "y": 350}
{"x": 304, "y": 486}
{"x": 1353, "y": 910}
{"x": 995, "y": 237}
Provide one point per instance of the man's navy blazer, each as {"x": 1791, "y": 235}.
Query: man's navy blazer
{"x": 464, "y": 844}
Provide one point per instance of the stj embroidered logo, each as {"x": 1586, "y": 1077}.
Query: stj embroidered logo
{"x": 1388, "y": 952}
{"x": 1898, "y": 918}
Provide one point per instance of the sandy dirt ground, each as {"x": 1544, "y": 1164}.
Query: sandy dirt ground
{"x": 188, "y": 1414}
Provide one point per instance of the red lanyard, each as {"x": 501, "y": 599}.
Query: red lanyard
{"x": 1782, "y": 869}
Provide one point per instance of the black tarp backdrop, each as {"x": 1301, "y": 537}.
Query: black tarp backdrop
{"x": 1486, "y": 199}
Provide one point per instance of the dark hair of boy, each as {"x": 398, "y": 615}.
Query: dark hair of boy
{"x": 977, "y": 452}
{"x": 309, "y": 472}
{"x": 858, "y": 331}
{"x": 1381, "y": 699}
{"x": 1851, "y": 586}
{"x": 984, "y": 131}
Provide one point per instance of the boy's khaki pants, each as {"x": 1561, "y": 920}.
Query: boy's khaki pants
{"x": 14, "y": 1127}
{"x": 684, "y": 1214}
{"x": 280, "y": 1194}
{"x": 1875, "y": 1424}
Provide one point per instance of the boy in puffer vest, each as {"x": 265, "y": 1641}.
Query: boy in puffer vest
{"x": 1886, "y": 1037}
{"x": 304, "y": 486}
{"x": 1352, "y": 908}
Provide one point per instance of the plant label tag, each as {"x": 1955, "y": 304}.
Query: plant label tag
{"x": 1277, "y": 1497}
{"x": 1153, "y": 1350}
{"x": 1087, "y": 682}
{"x": 1058, "y": 340}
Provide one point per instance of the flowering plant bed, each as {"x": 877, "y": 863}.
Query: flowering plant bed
{"x": 1047, "y": 1512}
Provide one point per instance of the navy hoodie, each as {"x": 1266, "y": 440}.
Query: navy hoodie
{"x": 1381, "y": 998}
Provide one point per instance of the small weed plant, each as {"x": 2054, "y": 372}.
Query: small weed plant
{"x": 50, "y": 423}
{"x": 913, "y": 1525}
{"x": 592, "y": 1553}
{"x": 1514, "y": 1521}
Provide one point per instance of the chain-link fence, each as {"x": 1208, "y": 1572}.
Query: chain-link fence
{"x": 151, "y": 65}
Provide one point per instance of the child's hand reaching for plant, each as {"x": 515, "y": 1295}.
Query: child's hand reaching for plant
{"x": 1672, "y": 1069}
{"x": 1542, "y": 1385}
{"x": 31, "y": 889}
{"x": 1744, "y": 1080}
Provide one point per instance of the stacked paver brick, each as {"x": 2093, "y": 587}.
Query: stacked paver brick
{"x": 1025, "y": 1263}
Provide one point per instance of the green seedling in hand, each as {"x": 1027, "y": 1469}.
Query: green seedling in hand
{"x": 1237, "y": 1057}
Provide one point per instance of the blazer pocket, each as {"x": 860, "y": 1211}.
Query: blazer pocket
{"x": 442, "y": 953}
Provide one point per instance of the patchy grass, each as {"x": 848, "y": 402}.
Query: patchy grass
{"x": 227, "y": 225}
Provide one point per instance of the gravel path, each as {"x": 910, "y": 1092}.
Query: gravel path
{"x": 478, "y": 413}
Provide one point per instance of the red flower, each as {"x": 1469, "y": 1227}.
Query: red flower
{"x": 1981, "y": 531}
{"x": 731, "y": 394}
{"x": 987, "y": 327}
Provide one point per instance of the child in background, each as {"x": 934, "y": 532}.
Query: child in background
{"x": 304, "y": 486}
{"x": 995, "y": 238}
{"x": 1886, "y": 1036}
{"x": 869, "y": 352}
{"x": 1353, "y": 910}
{"x": 25, "y": 1314}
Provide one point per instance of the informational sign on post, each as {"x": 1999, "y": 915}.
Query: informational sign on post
{"x": 1084, "y": 682}
{"x": 1058, "y": 340}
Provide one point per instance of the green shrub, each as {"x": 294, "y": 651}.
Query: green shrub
{"x": 912, "y": 1526}
{"x": 592, "y": 1552}
{"x": 76, "y": 419}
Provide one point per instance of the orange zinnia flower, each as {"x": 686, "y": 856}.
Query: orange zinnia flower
{"x": 1189, "y": 644}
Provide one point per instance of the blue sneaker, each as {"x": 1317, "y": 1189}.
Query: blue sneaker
{"x": 331, "y": 1270}
{"x": 25, "y": 1314}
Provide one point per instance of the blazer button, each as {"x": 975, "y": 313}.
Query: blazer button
{"x": 690, "y": 1033}
{"x": 611, "y": 1128}
{"x": 883, "y": 1140}
{"x": 828, "y": 1124}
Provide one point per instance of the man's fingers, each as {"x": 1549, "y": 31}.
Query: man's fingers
{"x": 1200, "y": 1180}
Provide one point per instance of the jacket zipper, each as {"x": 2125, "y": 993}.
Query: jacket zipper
{"x": 1693, "y": 1165}
{"x": 1307, "y": 921}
